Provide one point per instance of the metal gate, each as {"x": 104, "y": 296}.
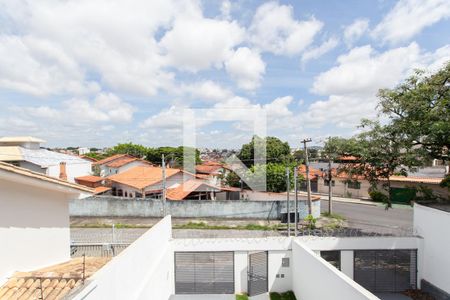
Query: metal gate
{"x": 204, "y": 272}
{"x": 258, "y": 273}
{"x": 386, "y": 270}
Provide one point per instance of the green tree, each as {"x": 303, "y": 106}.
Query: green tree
{"x": 130, "y": 149}
{"x": 276, "y": 150}
{"x": 173, "y": 155}
{"x": 420, "y": 108}
{"x": 382, "y": 151}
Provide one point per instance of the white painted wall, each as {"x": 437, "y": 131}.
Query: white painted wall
{"x": 433, "y": 225}
{"x": 72, "y": 170}
{"x": 142, "y": 271}
{"x": 275, "y": 267}
{"x": 240, "y": 271}
{"x": 34, "y": 227}
{"x": 311, "y": 270}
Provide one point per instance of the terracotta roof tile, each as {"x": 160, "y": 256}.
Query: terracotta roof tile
{"x": 89, "y": 178}
{"x": 183, "y": 190}
{"x": 101, "y": 189}
{"x": 142, "y": 176}
{"x": 207, "y": 169}
{"x": 110, "y": 159}
{"x": 313, "y": 173}
{"x": 51, "y": 283}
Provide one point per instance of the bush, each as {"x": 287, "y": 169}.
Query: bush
{"x": 378, "y": 196}
{"x": 241, "y": 297}
{"x": 310, "y": 222}
{"x": 283, "y": 296}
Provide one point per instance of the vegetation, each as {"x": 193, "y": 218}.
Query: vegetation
{"x": 173, "y": 155}
{"x": 283, "y": 296}
{"x": 204, "y": 225}
{"x": 241, "y": 297}
{"x": 333, "y": 216}
{"x": 378, "y": 196}
{"x": 277, "y": 151}
{"x": 96, "y": 156}
{"x": 418, "y": 130}
{"x": 129, "y": 148}
{"x": 310, "y": 222}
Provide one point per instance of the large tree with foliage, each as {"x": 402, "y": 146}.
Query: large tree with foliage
{"x": 420, "y": 108}
{"x": 276, "y": 150}
{"x": 130, "y": 149}
{"x": 174, "y": 156}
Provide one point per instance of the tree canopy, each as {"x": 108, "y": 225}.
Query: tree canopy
{"x": 276, "y": 150}
{"x": 420, "y": 108}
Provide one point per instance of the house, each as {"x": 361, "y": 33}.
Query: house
{"x": 212, "y": 171}
{"x": 145, "y": 181}
{"x": 26, "y": 152}
{"x": 117, "y": 164}
{"x": 193, "y": 189}
{"x": 95, "y": 182}
{"x": 314, "y": 175}
{"x": 83, "y": 150}
{"x": 34, "y": 219}
{"x": 160, "y": 267}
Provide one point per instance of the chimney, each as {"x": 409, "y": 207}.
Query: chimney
{"x": 62, "y": 171}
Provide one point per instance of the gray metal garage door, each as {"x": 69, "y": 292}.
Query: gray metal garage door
{"x": 386, "y": 270}
{"x": 204, "y": 273}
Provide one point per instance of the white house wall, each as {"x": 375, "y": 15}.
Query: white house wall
{"x": 142, "y": 271}
{"x": 432, "y": 225}
{"x": 311, "y": 270}
{"x": 72, "y": 170}
{"x": 34, "y": 228}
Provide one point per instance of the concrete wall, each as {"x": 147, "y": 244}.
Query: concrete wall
{"x": 341, "y": 188}
{"x": 34, "y": 228}
{"x": 142, "y": 271}
{"x": 105, "y": 206}
{"x": 311, "y": 270}
{"x": 433, "y": 225}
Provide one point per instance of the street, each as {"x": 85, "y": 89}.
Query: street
{"x": 373, "y": 218}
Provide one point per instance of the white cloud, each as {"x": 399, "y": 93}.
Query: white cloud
{"x": 246, "y": 67}
{"x": 206, "y": 90}
{"x": 197, "y": 43}
{"x": 355, "y": 30}
{"x": 352, "y": 85}
{"x": 362, "y": 71}
{"x": 275, "y": 30}
{"x": 410, "y": 17}
{"x": 55, "y": 46}
{"x": 104, "y": 108}
{"x": 315, "y": 53}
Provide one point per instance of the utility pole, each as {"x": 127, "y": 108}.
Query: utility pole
{"x": 330, "y": 188}
{"x": 164, "y": 185}
{"x": 288, "y": 188}
{"x": 296, "y": 201}
{"x": 308, "y": 183}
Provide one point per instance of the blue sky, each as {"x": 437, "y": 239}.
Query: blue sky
{"x": 96, "y": 73}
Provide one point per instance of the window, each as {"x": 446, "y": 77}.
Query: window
{"x": 354, "y": 185}
{"x": 126, "y": 194}
{"x": 327, "y": 182}
{"x": 333, "y": 257}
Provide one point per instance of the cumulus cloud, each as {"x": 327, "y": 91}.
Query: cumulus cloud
{"x": 246, "y": 67}
{"x": 196, "y": 43}
{"x": 206, "y": 90}
{"x": 352, "y": 85}
{"x": 409, "y": 17}
{"x": 315, "y": 53}
{"x": 355, "y": 30}
{"x": 274, "y": 29}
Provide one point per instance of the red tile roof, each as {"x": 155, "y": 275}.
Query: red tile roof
{"x": 207, "y": 169}
{"x": 89, "y": 178}
{"x": 183, "y": 190}
{"x": 51, "y": 283}
{"x": 141, "y": 177}
{"x": 121, "y": 161}
{"x": 110, "y": 159}
{"x": 313, "y": 173}
{"x": 101, "y": 190}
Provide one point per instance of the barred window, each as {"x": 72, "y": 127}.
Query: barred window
{"x": 354, "y": 185}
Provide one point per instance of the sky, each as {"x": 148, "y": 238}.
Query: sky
{"x": 100, "y": 72}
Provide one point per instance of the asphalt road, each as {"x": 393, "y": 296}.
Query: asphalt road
{"x": 373, "y": 218}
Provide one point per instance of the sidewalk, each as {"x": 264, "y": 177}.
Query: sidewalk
{"x": 348, "y": 200}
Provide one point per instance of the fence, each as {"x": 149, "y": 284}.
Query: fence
{"x": 108, "y": 206}
{"x": 97, "y": 250}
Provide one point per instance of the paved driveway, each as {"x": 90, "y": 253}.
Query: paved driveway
{"x": 202, "y": 297}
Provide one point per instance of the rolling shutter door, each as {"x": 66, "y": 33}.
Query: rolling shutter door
{"x": 386, "y": 270}
{"x": 204, "y": 273}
